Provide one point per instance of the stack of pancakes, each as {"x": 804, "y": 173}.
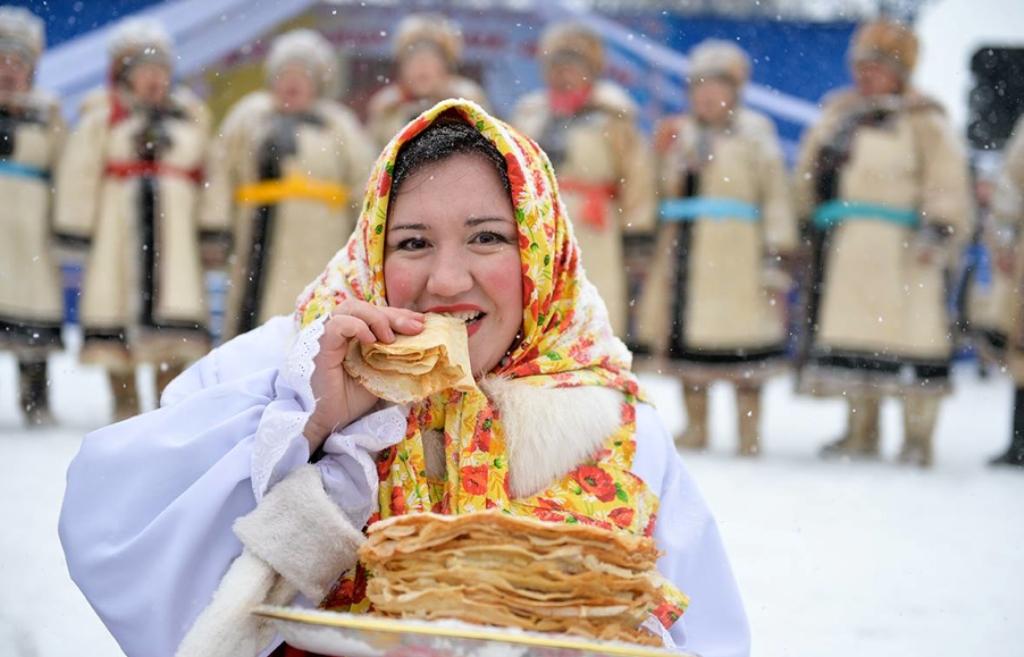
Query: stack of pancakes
{"x": 496, "y": 569}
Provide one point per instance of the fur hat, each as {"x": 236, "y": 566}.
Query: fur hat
{"x": 138, "y": 40}
{"x": 430, "y": 29}
{"x": 306, "y": 47}
{"x": 885, "y": 41}
{"x": 21, "y": 31}
{"x": 716, "y": 58}
{"x": 574, "y": 39}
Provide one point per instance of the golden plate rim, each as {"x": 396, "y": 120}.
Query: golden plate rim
{"x": 395, "y": 625}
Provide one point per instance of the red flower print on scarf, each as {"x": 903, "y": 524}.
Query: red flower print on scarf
{"x": 482, "y": 436}
{"x": 548, "y": 510}
{"x": 528, "y": 285}
{"x": 651, "y": 522}
{"x": 516, "y": 178}
{"x": 398, "y": 501}
{"x": 538, "y": 182}
{"x": 628, "y": 413}
{"x": 591, "y": 522}
{"x": 622, "y": 516}
{"x": 667, "y": 613}
{"x": 384, "y": 187}
{"x": 414, "y": 128}
{"x": 384, "y": 461}
{"x": 595, "y": 481}
{"x": 580, "y": 351}
{"x": 474, "y": 479}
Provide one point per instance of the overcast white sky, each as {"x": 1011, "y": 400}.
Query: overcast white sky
{"x": 950, "y": 32}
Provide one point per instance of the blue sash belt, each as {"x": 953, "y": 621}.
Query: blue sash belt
{"x": 831, "y": 214}
{"x": 705, "y": 207}
{"x": 19, "y": 170}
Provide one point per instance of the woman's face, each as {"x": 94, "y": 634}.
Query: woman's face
{"x": 150, "y": 82}
{"x": 567, "y": 74}
{"x": 423, "y": 72}
{"x": 452, "y": 247}
{"x": 874, "y": 78}
{"x": 713, "y": 100}
{"x": 294, "y": 88}
{"x": 15, "y": 73}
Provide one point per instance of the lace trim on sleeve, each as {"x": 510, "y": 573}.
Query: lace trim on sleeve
{"x": 285, "y": 418}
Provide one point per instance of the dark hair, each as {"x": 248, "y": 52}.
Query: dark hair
{"x": 445, "y": 137}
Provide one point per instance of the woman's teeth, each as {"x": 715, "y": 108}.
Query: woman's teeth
{"x": 466, "y": 316}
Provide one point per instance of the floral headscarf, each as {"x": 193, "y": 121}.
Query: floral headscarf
{"x": 566, "y": 341}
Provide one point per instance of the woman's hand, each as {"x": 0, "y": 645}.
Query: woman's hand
{"x": 340, "y": 399}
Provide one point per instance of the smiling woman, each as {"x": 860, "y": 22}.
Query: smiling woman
{"x": 463, "y": 218}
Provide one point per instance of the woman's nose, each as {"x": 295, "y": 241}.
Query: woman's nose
{"x": 450, "y": 276}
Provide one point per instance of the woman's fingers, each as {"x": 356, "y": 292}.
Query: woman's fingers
{"x": 342, "y": 328}
{"x": 384, "y": 321}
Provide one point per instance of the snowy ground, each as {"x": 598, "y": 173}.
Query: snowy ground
{"x": 837, "y": 559}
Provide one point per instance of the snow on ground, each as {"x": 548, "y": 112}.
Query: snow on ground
{"x": 837, "y": 559}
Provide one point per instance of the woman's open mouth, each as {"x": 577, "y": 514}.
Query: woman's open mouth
{"x": 471, "y": 317}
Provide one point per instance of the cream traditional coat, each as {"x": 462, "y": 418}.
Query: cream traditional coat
{"x": 390, "y": 109}
{"x": 31, "y": 303}
{"x": 1008, "y": 208}
{"x": 875, "y": 306}
{"x": 128, "y": 184}
{"x": 606, "y": 178}
{"x": 708, "y": 301}
{"x": 280, "y": 243}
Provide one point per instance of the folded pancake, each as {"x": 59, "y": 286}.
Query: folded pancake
{"x": 414, "y": 367}
{"x": 497, "y": 569}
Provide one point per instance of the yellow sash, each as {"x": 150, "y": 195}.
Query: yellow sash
{"x": 294, "y": 185}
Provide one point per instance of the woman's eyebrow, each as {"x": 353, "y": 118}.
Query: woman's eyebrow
{"x": 476, "y": 221}
{"x": 409, "y": 227}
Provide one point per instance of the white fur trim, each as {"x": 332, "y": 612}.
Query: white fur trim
{"x": 550, "y": 431}
{"x": 227, "y": 628}
{"x": 301, "y": 533}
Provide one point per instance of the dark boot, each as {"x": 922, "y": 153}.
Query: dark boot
{"x": 748, "y": 408}
{"x": 1014, "y": 454}
{"x": 861, "y": 439}
{"x": 35, "y": 394}
{"x": 695, "y": 398}
{"x": 126, "y": 398}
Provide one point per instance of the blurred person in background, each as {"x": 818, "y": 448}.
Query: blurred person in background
{"x": 427, "y": 50}
{"x": 883, "y": 184}
{"x": 31, "y": 135}
{"x": 985, "y": 290}
{"x": 285, "y": 175}
{"x": 604, "y": 164}
{"x": 1008, "y": 241}
{"x": 128, "y": 186}
{"x": 714, "y": 304}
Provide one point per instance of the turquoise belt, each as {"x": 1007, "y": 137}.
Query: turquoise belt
{"x": 17, "y": 169}
{"x": 706, "y": 207}
{"x": 831, "y": 214}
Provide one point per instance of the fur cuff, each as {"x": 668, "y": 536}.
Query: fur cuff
{"x": 550, "y": 431}
{"x": 227, "y": 627}
{"x": 301, "y": 533}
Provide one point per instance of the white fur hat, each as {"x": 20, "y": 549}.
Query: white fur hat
{"x": 306, "y": 47}
{"x": 716, "y": 58}
{"x": 135, "y": 40}
{"x": 22, "y": 31}
{"x": 434, "y": 29}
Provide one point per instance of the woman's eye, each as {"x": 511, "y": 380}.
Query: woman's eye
{"x": 412, "y": 244}
{"x": 489, "y": 237}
